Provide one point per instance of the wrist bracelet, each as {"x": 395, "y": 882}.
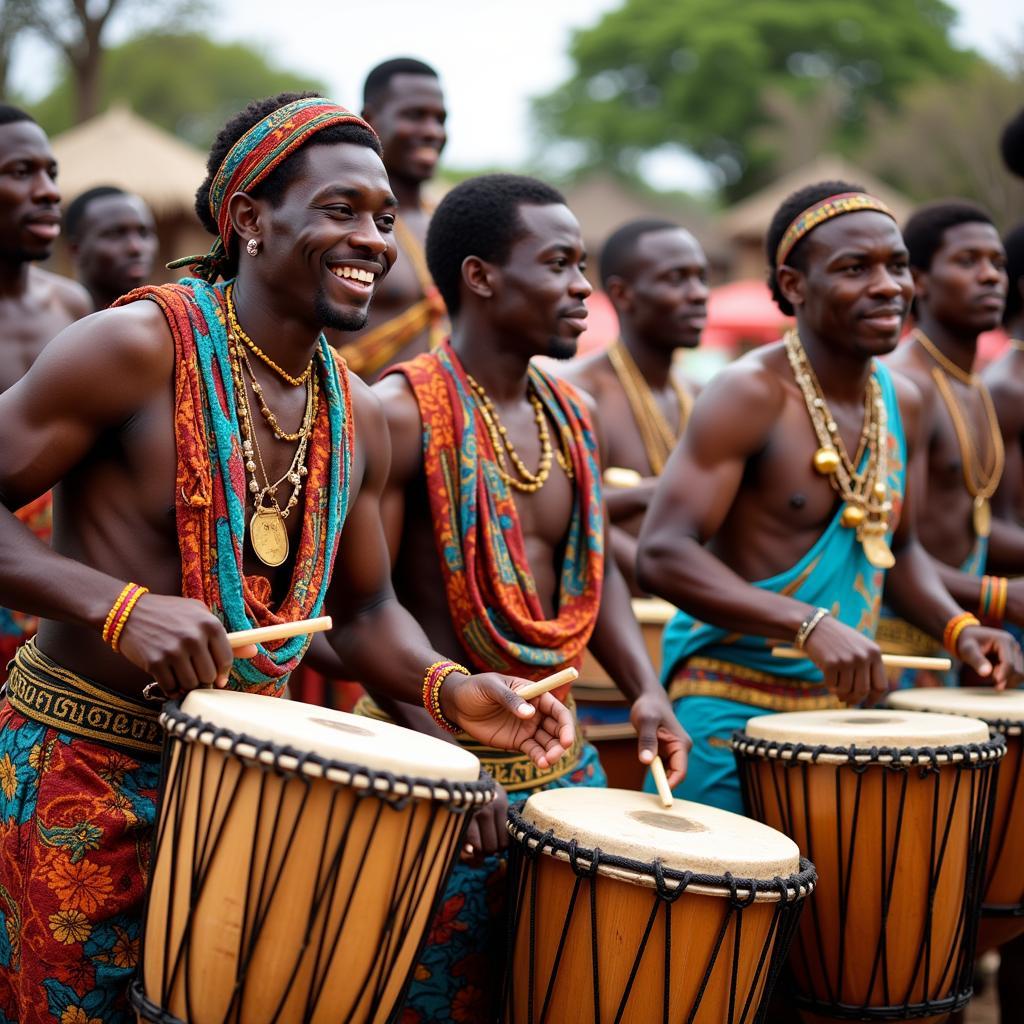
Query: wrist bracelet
{"x": 435, "y": 675}
{"x": 807, "y": 627}
{"x": 955, "y": 626}
{"x": 994, "y": 592}
{"x": 119, "y": 612}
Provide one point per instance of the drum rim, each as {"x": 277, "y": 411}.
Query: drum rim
{"x": 893, "y": 757}
{"x": 1007, "y": 726}
{"x": 670, "y": 882}
{"x": 297, "y": 763}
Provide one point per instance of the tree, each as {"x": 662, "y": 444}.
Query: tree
{"x": 957, "y": 124}
{"x": 15, "y": 17}
{"x": 182, "y": 82}
{"x": 696, "y": 72}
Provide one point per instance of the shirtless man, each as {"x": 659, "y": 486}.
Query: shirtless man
{"x": 34, "y": 304}
{"x": 112, "y": 238}
{"x": 655, "y": 274}
{"x": 402, "y": 99}
{"x": 758, "y": 528}
{"x": 960, "y": 288}
{"x": 124, "y": 411}
{"x": 519, "y": 528}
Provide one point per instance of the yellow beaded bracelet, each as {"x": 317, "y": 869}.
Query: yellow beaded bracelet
{"x": 435, "y": 675}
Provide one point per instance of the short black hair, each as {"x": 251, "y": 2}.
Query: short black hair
{"x": 926, "y": 226}
{"x": 1013, "y": 243}
{"x": 1012, "y": 144}
{"x": 75, "y": 213}
{"x": 378, "y": 80}
{"x": 791, "y": 208}
{"x": 275, "y": 186}
{"x": 480, "y": 217}
{"x": 11, "y": 115}
{"x": 617, "y": 252}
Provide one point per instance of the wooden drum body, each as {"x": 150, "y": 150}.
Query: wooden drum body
{"x": 1002, "y": 908}
{"x": 603, "y": 711}
{"x": 623, "y": 910}
{"x": 298, "y": 856}
{"x": 893, "y": 808}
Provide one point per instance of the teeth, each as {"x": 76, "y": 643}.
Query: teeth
{"x": 354, "y": 273}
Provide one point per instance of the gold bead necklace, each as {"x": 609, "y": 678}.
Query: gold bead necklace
{"x": 251, "y": 345}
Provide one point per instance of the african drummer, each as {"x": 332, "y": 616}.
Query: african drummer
{"x": 210, "y": 454}
{"x": 785, "y": 522}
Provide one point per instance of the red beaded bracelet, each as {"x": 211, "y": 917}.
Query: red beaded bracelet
{"x": 435, "y": 675}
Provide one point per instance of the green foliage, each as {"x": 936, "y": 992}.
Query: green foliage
{"x": 696, "y": 72}
{"x": 182, "y": 82}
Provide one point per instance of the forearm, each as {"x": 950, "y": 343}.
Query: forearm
{"x": 926, "y": 592}
{"x": 692, "y": 578}
{"x": 385, "y": 648}
{"x": 1006, "y": 548}
{"x": 626, "y": 502}
{"x": 37, "y": 580}
{"x": 624, "y": 547}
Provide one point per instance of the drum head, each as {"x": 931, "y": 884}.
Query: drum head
{"x": 973, "y": 701}
{"x": 380, "y": 746}
{"x": 685, "y": 837}
{"x": 652, "y": 611}
{"x": 867, "y": 728}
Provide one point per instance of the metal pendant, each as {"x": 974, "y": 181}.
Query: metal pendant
{"x": 982, "y": 517}
{"x": 268, "y": 536}
{"x": 877, "y": 551}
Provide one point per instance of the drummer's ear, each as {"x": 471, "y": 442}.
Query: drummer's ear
{"x": 792, "y": 283}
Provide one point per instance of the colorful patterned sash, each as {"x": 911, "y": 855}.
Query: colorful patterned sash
{"x": 492, "y": 597}
{"x": 210, "y": 491}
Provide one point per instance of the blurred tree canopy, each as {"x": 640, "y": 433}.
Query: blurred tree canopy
{"x": 713, "y": 75}
{"x": 183, "y": 82}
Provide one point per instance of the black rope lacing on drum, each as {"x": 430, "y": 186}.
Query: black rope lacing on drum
{"x": 667, "y": 886}
{"x": 192, "y": 765}
{"x": 774, "y": 780}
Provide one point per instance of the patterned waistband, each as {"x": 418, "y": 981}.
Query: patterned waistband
{"x": 512, "y": 771}
{"x": 709, "y": 677}
{"x": 895, "y": 636}
{"x": 51, "y": 695}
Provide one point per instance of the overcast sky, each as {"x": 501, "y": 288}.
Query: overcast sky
{"x": 493, "y": 55}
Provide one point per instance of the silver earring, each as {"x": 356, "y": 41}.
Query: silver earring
{"x": 252, "y": 247}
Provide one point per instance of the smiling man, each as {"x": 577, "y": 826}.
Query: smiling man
{"x": 655, "y": 274}
{"x": 779, "y": 514}
{"x": 218, "y": 470}
{"x": 960, "y": 288}
{"x": 403, "y": 101}
{"x": 494, "y": 502}
{"x": 112, "y": 238}
{"x": 34, "y": 304}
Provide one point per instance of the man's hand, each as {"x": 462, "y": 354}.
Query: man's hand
{"x": 850, "y": 662}
{"x": 487, "y": 834}
{"x": 657, "y": 727}
{"x": 180, "y": 643}
{"x": 486, "y": 706}
{"x": 993, "y": 654}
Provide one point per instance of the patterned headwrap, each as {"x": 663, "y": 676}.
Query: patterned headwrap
{"x": 826, "y": 209}
{"x": 253, "y": 158}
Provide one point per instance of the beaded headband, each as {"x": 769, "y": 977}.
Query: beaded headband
{"x": 254, "y": 157}
{"x": 826, "y": 209}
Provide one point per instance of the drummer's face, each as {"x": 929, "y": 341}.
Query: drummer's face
{"x": 856, "y": 289}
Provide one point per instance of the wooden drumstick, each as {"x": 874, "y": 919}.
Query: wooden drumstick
{"x": 889, "y": 660}
{"x": 282, "y": 631}
{"x": 552, "y": 682}
{"x": 661, "y": 781}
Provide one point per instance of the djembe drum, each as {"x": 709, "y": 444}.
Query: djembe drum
{"x": 297, "y": 860}
{"x": 1002, "y": 907}
{"x": 629, "y": 912}
{"x": 603, "y": 711}
{"x": 893, "y": 807}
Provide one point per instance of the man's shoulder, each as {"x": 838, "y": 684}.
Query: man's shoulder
{"x": 55, "y": 289}
{"x": 591, "y": 373}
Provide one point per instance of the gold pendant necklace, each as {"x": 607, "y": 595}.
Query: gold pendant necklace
{"x": 268, "y": 535}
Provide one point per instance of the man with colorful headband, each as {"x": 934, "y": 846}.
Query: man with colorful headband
{"x": 655, "y": 274}
{"x": 779, "y": 525}
{"x": 403, "y": 101}
{"x": 218, "y": 470}
{"x": 494, "y": 501}
{"x": 34, "y": 304}
{"x": 960, "y": 285}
